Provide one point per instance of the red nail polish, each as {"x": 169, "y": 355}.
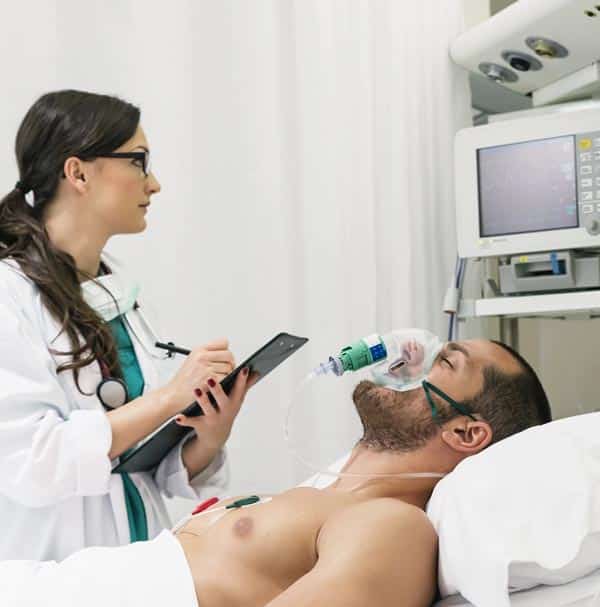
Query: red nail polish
{"x": 178, "y": 419}
{"x": 245, "y": 371}
{"x": 198, "y": 392}
{"x": 211, "y": 382}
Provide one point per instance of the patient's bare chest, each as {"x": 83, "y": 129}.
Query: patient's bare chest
{"x": 269, "y": 545}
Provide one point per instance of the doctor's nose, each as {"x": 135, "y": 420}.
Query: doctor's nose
{"x": 152, "y": 184}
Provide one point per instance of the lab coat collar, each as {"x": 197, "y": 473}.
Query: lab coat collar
{"x": 111, "y": 295}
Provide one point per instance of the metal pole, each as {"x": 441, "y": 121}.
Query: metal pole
{"x": 509, "y": 332}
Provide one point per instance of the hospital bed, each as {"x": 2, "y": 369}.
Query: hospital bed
{"x": 580, "y": 593}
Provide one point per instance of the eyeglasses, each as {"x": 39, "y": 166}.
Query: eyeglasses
{"x": 143, "y": 157}
{"x": 429, "y": 388}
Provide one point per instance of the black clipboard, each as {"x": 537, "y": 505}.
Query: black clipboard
{"x": 148, "y": 454}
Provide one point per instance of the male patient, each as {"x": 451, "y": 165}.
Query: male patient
{"x": 365, "y": 541}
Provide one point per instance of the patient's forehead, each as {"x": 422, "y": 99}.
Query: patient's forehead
{"x": 486, "y": 353}
{"x": 462, "y": 378}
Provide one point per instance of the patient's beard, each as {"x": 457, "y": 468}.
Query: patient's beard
{"x": 392, "y": 420}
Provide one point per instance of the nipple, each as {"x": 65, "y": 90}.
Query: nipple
{"x": 243, "y": 526}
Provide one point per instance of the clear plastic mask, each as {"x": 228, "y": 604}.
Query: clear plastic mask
{"x": 410, "y": 356}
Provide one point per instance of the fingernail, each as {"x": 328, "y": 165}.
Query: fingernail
{"x": 178, "y": 419}
{"x": 211, "y": 382}
{"x": 198, "y": 392}
{"x": 245, "y": 371}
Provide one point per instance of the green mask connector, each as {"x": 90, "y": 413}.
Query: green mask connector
{"x": 360, "y": 354}
{"x": 356, "y": 356}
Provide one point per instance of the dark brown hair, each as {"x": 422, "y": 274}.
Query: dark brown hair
{"x": 60, "y": 125}
{"x": 511, "y": 402}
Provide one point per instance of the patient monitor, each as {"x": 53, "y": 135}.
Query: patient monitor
{"x": 529, "y": 189}
{"x": 529, "y": 185}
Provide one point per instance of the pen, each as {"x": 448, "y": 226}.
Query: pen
{"x": 171, "y": 347}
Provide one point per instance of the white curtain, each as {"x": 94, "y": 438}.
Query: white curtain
{"x": 305, "y": 150}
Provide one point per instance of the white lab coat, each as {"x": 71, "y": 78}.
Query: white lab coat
{"x": 57, "y": 493}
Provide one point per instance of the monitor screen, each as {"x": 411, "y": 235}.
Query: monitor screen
{"x": 527, "y": 187}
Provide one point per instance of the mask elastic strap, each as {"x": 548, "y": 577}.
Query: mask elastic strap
{"x": 434, "y": 412}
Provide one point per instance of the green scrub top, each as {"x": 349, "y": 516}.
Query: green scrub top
{"x": 134, "y": 380}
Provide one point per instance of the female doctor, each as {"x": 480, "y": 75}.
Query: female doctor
{"x": 69, "y": 321}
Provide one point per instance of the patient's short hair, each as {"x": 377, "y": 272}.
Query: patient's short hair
{"x": 511, "y": 402}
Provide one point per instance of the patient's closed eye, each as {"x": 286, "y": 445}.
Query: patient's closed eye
{"x": 442, "y": 359}
{"x": 447, "y": 361}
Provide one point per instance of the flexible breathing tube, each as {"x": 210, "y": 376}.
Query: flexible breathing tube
{"x": 454, "y": 295}
{"x": 327, "y": 472}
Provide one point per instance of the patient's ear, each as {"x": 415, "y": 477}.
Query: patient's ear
{"x": 467, "y": 436}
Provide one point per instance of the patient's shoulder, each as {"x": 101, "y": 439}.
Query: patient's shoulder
{"x": 385, "y": 545}
{"x": 389, "y": 507}
{"x": 384, "y": 521}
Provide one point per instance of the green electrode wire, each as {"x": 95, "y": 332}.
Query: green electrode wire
{"x": 246, "y": 501}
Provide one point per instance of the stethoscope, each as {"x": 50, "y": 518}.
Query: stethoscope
{"x": 112, "y": 391}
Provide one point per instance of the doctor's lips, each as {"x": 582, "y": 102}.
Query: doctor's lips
{"x": 146, "y": 204}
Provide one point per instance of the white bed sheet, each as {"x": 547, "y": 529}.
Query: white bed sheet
{"x": 579, "y": 593}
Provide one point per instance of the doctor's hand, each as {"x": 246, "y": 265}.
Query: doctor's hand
{"x": 135, "y": 420}
{"x": 214, "y": 360}
{"x": 213, "y": 428}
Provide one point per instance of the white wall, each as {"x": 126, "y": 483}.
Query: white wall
{"x": 476, "y": 11}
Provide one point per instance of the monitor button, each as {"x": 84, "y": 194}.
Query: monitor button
{"x": 585, "y": 156}
{"x": 587, "y": 208}
{"x": 586, "y": 169}
{"x": 589, "y": 182}
{"x": 587, "y": 195}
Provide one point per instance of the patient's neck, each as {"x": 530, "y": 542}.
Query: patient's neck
{"x": 380, "y": 469}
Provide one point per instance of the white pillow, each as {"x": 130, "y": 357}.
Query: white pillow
{"x": 524, "y": 512}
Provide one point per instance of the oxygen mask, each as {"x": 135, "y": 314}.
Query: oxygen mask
{"x": 399, "y": 360}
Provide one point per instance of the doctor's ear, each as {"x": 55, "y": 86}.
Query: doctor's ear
{"x": 467, "y": 436}
{"x": 74, "y": 172}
